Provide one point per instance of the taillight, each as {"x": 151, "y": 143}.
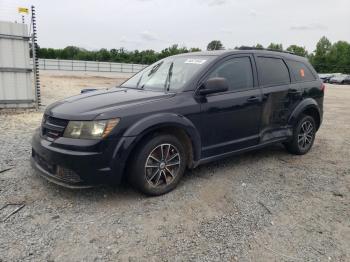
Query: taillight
{"x": 323, "y": 87}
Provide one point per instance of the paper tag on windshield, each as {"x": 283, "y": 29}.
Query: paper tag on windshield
{"x": 195, "y": 61}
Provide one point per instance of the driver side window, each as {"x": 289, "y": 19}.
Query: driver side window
{"x": 238, "y": 73}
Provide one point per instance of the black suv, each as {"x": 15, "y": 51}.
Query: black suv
{"x": 178, "y": 113}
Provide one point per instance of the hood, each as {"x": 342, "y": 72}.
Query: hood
{"x": 89, "y": 105}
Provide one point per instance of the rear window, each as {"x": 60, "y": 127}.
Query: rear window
{"x": 272, "y": 71}
{"x": 300, "y": 71}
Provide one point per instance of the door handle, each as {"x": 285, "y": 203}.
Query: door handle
{"x": 253, "y": 99}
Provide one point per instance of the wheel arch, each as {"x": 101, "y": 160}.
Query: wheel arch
{"x": 168, "y": 123}
{"x": 308, "y": 107}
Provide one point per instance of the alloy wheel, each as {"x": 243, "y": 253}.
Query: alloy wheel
{"x": 162, "y": 165}
{"x": 305, "y": 135}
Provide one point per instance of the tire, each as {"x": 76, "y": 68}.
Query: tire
{"x": 304, "y": 133}
{"x": 158, "y": 165}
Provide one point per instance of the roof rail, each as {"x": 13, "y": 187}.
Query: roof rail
{"x": 266, "y": 49}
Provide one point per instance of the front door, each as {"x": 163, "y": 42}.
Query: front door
{"x": 230, "y": 120}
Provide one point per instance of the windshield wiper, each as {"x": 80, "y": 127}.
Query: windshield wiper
{"x": 151, "y": 73}
{"x": 168, "y": 78}
{"x": 138, "y": 82}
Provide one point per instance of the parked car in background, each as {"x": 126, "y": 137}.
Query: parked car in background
{"x": 180, "y": 112}
{"x": 340, "y": 79}
{"x": 326, "y": 77}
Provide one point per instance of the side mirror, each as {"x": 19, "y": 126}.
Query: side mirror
{"x": 214, "y": 85}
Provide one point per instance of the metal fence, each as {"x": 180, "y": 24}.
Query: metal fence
{"x": 92, "y": 66}
{"x": 16, "y": 85}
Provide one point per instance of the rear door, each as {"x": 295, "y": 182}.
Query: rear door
{"x": 231, "y": 120}
{"x": 306, "y": 79}
{"x": 278, "y": 93}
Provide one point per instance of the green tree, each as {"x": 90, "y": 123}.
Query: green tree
{"x": 69, "y": 52}
{"x": 319, "y": 60}
{"x": 274, "y": 46}
{"x": 298, "y": 50}
{"x": 195, "y": 49}
{"x": 259, "y": 46}
{"x": 149, "y": 57}
{"x": 103, "y": 55}
{"x": 215, "y": 45}
{"x": 51, "y": 53}
{"x": 338, "y": 57}
{"x": 327, "y": 57}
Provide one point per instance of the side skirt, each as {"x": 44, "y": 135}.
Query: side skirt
{"x": 240, "y": 151}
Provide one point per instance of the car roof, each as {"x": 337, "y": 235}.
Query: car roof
{"x": 223, "y": 53}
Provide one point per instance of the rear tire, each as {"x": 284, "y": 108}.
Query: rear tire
{"x": 158, "y": 165}
{"x": 304, "y": 133}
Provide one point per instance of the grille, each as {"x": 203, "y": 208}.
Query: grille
{"x": 68, "y": 175}
{"x": 59, "y": 172}
{"x": 53, "y": 127}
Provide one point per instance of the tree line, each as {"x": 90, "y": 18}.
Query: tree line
{"x": 326, "y": 58}
{"x": 120, "y": 55}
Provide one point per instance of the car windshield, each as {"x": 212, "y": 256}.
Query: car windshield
{"x": 169, "y": 74}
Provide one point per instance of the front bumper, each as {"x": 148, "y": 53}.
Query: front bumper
{"x": 76, "y": 163}
{"x": 54, "y": 178}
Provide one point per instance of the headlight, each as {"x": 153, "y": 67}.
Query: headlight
{"x": 90, "y": 129}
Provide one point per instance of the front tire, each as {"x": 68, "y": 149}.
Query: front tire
{"x": 158, "y": 165}
{"x": 304, "y": 133}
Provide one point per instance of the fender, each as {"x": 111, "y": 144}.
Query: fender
{"x": 305, "y": 104}
{"x": 155, "y": 121}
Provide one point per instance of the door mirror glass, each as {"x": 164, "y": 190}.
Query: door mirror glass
{"x": 214, "y": 85}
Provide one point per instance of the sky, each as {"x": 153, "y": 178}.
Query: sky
{"x": 157, "y": 24}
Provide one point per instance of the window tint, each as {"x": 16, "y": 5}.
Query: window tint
{"x": 272, "y": 71}
{"x": 237, "y": 71}
{"x": 300, "y": 71}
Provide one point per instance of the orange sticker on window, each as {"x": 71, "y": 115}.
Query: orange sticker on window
{"x": 302, "y": 72}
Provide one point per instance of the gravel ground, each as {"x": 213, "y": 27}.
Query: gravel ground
{"x": 266, "y": 205}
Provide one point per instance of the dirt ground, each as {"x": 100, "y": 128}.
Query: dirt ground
{"x": 265, "y": 205}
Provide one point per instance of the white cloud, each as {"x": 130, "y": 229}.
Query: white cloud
{"x": 309, "y": 27}
{"x": 191, "y": 22}
{"x": 146, "y": 35}
{"x": 226, "y": 30}
{"x": 217, "y": 2}
{"x": 124, "y": 39}
{"x": 253, "y": 12}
